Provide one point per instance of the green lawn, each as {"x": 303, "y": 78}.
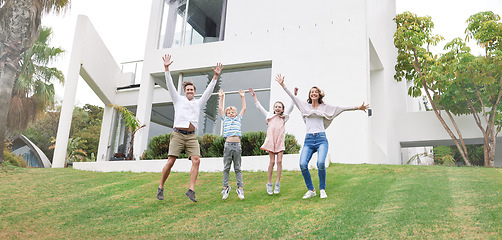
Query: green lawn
{"x": 364, "y": 201}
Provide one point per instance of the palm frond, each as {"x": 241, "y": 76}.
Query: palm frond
{"x": 57, "y": 6}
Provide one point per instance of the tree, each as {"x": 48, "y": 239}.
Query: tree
{"x": 132, "y": 124}
{"x": 455, "y": 82}
{"x": 19, "y": 28}
{"x": 85, "y": 125}
{"x": 33, "y": 91}
{"x": 74, "y": 152}
{"x": 43, "y": 131}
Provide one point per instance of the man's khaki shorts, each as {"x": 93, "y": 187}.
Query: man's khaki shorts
{"x": 180, "y": 141}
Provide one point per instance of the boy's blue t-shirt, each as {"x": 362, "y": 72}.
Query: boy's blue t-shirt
{"x": 232, "y": 126}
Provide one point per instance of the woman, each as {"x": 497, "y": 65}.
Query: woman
{"x": 317, "y": 117}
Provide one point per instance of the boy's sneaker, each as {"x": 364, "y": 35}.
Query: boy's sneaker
{"x": 225, "y": 192}
{"x": 160, "y": 193}
{"x": 309, "y": 194}
{"x": 323, "y": 193}
{"x": 277, "y": 188}
{"x": 240, "y": 193}
{"x": 269, "y": 189}
{"x": 191, "y": 195}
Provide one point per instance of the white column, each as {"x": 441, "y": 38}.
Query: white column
{"x": 70, "y": 89}
{"x": 106, "y": 133}
{"x": 143, "y": 114}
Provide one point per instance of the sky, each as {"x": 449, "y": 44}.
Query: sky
{"x": 123, "y": 24}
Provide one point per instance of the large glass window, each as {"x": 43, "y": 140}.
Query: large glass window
{"x": 204, "y": 22}
{"x": 231, "y": 80}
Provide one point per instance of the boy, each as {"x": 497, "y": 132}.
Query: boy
{"x": 232, "y": 151}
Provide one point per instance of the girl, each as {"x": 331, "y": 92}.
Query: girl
{"x": 317, "y": 117}
{"x": 274, "y": 142}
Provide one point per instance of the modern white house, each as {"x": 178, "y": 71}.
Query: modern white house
{"x": 343, "y": 47}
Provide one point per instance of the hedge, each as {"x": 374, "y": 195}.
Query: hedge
{"x": 212, "y": 145}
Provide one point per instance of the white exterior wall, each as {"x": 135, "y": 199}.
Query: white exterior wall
{"x": 327, "y": 48}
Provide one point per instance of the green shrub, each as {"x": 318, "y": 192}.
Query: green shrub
{"x": 442, "y": 153}
{"x": 292, "y": 146}
{"x": 451, "y": 154}
{"x": 216, "y": 149}
{"x": 251, "y": 143}
{"x": 14, "y": 160}
{"x": 475, "y": 153}
{"x": 158, "y": 147}
{"x": 212, "y": 145}
{"x": 205, "y": 143}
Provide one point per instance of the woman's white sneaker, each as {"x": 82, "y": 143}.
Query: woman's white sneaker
{"x": 309, "y": 194}
{"x": 323, "y": 193}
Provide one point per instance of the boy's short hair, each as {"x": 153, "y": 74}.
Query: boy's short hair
{"x": 186, "y": 83}
{"x": 230, "y": 108}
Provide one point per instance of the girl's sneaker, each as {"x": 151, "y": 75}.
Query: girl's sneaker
{"x": 225, "y": 192}
{"x": 240, "y": 193}
{"x": 270, "y": 190}
{"x": 309, "y": 194}
{"x": 323, "y": 193}
{"x": 277, "y": 188}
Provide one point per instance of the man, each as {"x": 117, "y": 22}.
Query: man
{"x": 186, "y": 117}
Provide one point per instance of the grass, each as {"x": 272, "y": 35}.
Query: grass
{"x": 364, "y": 201}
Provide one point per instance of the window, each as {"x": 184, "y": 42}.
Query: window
{"x": 231, "y": 80}
{"x": 205, "y": 22}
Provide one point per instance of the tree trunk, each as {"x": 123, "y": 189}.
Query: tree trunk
{"x": 130, "y": 152}
{"x": 6, "y": 74}
{"x": 489, "y": 143}
{"x": 19, "y": 28}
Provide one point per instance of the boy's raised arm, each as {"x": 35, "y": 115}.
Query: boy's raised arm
{"x": 243, "y": 100}
{"x": 220, "y": 103}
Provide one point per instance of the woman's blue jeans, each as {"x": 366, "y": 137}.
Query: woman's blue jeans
{"x": 314, "y": 142}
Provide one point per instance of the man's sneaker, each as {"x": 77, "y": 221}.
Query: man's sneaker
{"x": 277, "y": 188}
{"x": 309, "y": 194}
{"x": 240, "y": 193}
{"x": 225, "y": 192}
{"x": 269, "y": 189}
{"x": 323, "y": 193}
{"x": 191, "y": 195}
{"x": 160, "y": 193}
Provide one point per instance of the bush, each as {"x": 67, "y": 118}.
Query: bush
{"x": 157, "y": 147}
{"x": 450, "y": 153}
{"x": 206, "y": 142}
{"x": 251, "y": 143}
{"x": 475, "y": 153}
{"x": 216, "y": 149}
{"x": 292, "y": 146}
{"x": 14, "y": 160}
{"x": 442, "y": 155}
{"x": 212, "y": 145}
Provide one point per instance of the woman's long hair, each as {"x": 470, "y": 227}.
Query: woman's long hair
{"x": 321, "y": 95}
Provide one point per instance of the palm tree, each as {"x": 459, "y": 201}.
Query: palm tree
{"x": 19, "y": 29}
{"x": 132, "y": 124}
{"x": 33, "y": 91}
